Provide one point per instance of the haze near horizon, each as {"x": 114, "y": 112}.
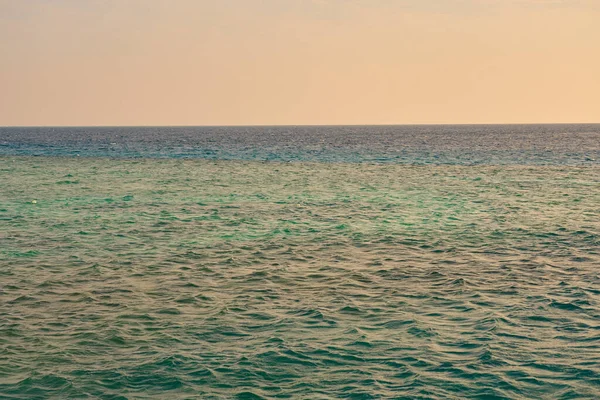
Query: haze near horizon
{"x": 238, "y": 62}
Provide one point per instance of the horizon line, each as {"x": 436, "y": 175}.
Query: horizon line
{"x": 297, "y": 125}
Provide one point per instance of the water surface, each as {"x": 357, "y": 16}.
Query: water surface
{"x": 574, "y": 144}
{"x": 222, "y": 279}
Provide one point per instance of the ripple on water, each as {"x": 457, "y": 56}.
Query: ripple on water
{"x": 233, "y": 280}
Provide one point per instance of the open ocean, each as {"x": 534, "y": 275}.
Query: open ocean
{"x": 349, "y": 262}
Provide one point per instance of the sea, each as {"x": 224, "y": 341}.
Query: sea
{"x": 300, "y": 262}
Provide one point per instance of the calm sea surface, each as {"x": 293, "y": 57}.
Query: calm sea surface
{"x": 407, "y": 262}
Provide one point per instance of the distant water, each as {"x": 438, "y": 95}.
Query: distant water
{"x": 383, "y": 262}
{"x": 436, "y": 144}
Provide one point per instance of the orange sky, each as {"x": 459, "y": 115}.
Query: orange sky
{"x": 232, "y": 62}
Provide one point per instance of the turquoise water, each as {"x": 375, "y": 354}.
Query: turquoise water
{"x": 192, "y": 278}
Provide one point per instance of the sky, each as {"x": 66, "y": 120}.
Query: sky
{"x": 289, "y": 62}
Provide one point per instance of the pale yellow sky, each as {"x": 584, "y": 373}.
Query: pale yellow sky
{"x": 236, "y": 62}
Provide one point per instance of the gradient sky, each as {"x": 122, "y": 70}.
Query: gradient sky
{"x": 236, "y": 62}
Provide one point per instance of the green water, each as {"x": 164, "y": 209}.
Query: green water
{"x": 177, "y": 279}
